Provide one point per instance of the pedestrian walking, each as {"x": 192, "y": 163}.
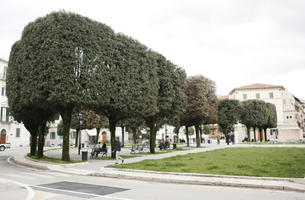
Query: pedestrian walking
{"x": 218, "y": 139}
{"x": 227, "y": 139}
{"x": 118, "y": 150}
{"x": 233, "y": 138}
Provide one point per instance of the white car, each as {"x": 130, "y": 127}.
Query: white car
{"x": 4, "y": 146}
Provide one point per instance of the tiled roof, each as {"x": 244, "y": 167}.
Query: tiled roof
{"x": 223, "y": 97}
{"x": 3, "y": 60}
{"x": 257, "y": 86}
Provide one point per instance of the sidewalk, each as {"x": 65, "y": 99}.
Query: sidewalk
{"x": 97, "y": 168}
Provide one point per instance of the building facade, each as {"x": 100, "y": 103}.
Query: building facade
{"x": 290, "y": 110}
{"x": 10, "y": 130}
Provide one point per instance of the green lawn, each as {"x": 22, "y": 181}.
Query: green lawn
{"x": 263, "y": 162}
{"x": 271, "y": 143}
{"x": 54, "y": 160}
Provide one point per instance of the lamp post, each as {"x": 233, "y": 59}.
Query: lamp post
{"x": 79, "y": 134}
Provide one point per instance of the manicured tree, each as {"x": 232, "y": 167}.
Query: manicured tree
{"x": 270, "y": 118}
{"x": 201, "y": 96}
{"x": 258, "y": 113}
{"x": 20, "y": 112}
{"x": 246, "y": 116}
{"x": 60, "y": 55}
{"x": 228, "y": 115}
{"x": 129, "y": 84}
{"x": 253, "y": 114}
{"x": 33, "y": 117}
{"x": 171, "y": 99}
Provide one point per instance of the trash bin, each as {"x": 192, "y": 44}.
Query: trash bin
{"x": 83, "y": 145}
{"x": 174, "y": 146}
{"x": 84, "y": 155}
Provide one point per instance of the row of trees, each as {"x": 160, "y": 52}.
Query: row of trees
{"x": 67, "y": 63}
{"x": 255, "y": 114}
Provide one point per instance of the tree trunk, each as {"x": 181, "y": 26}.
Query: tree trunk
{"x": 152, "y": 136}
{"x": 197, "y": 136}
{"x": 134, "y": 135}
{"x": 41, "y": 132}
{"x": 97, "y": 134}
{"x": 66, "y": 117}
{"x": 265, "y": 132}
{"x": 260, "y": 134}
{"x": 187, "y": 136}
{"x": 33, "y": 144}
{"x": 248, "y": 133}
{"x": 254, "y": 134}
{"x": 112, "y": 123}
{"x": 123, "y": 135}
{"x": 76, "y": 137}
{"x": 200, "y": 130}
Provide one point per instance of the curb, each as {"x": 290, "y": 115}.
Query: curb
{"x": 207, "y": 175}
{"x": 29, "y": 165}
{"x": 198, "y": 182}
{"x": 173, "y": 180}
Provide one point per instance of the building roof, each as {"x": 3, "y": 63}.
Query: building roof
{"x": 223, "y": 97}
{"x": 257, "y": 86}
{"x": 3, "y": 60}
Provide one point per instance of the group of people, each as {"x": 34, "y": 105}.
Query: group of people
{"x": 230, "y": 138}
{"x": 164, "y": 144}
{"x": 103, "y": 148}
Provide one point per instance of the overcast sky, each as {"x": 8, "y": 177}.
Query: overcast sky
{"x": 234, "y": 43}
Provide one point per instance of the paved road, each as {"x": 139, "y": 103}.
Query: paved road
{"x": 24, "y": 183}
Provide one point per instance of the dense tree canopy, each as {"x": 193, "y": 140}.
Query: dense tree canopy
{"x": 68, "y": 62}
{"x": 129, "y": 86}
{"x": 170, "y": 97}
{"x": 270, "y": 118}
{"x": 32, "y": 115}
{"x": 228, "y": 114}
{"x": 201, "y": 105}
{"x": 59, "y": 54}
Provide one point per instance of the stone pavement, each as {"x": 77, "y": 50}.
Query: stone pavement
{"x": 97, "y": 168}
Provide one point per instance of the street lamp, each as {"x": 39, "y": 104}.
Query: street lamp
{"x": 79, "y": 133}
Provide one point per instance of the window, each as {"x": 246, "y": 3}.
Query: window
{"x": 258, "y": 96}
{"x": 245, "y": 96}
{"x": 4, "y": 114}
{"x": 4, "y": 73}
{"x": 271, "y": 95}
{"x": 72, "y": 134}
{"x": 3, "y": 91}
{"x": 52, "y": 135}
{"x": 17, "y": 132}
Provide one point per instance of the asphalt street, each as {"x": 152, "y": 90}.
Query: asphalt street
{"x": 17, "y": 183}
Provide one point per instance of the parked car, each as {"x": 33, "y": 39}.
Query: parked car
{"x": 70, "y": 143}
{"x": 4, "y": 146}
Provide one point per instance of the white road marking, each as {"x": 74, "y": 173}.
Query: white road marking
{"x": 30, "y": 190}
{"x": 81, "y": 193}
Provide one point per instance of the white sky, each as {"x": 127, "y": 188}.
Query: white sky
{"x": 232, "y": 42}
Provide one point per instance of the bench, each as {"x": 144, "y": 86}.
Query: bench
{"x": 135, "y": 148}
{"x": 97, "y": 150}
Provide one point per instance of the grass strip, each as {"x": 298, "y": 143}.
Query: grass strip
{"x": 252, "y": 161}
{"x": 53, "y": 160}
